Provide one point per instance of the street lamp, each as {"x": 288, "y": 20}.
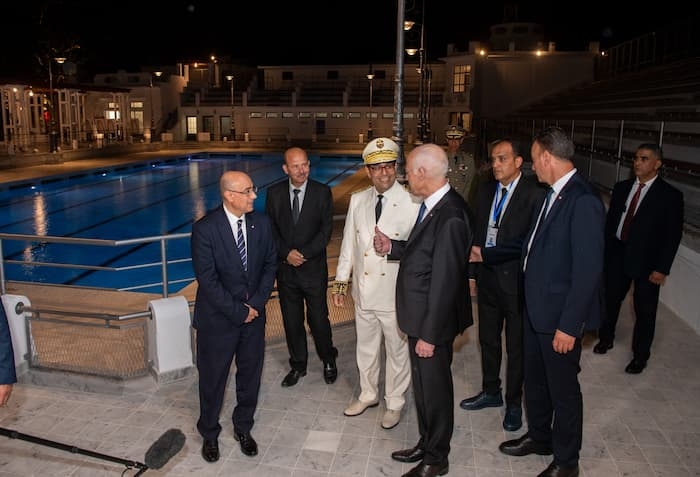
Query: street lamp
{"x": 231, "y": 79}
{"x": 53, "y": 140}
{"x": 370, "y": 77}
{"x": 397, "y": 125}
{"x": 423, "y": 124}
{"x": 153, "y": 119}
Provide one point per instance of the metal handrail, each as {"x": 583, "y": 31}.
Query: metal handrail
{"x": 163, "y": 263}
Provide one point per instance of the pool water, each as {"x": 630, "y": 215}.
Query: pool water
{"x": 143, "y": 200}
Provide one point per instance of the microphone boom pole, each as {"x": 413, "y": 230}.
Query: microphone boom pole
{"x": 130, "y": 464}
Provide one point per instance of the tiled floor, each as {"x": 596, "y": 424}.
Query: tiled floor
{"x": 643, "y": 425}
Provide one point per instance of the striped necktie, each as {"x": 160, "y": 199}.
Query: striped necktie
{"x": 240, "y": 243}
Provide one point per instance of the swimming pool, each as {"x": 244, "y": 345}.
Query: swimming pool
{"x": 140, "y": 200}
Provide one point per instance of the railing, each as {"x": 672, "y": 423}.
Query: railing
{"x": 163, "y": 263}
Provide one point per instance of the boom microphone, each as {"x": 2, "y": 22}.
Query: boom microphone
{"x": 164, "y": 448}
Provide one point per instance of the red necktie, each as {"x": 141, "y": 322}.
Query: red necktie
{"x": 624, "y": 233}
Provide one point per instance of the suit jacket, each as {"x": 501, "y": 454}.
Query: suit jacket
{"x": 310, "y": 235}
{"x": 655, "y": 232}
{"x": 224, "y": 287}
{"x": 432, "y": 291}
{"x": 563, "y": 279}
{"x": 502, "y": 262}
{"x": 7, "y": 356}
{"x": 373, "y": 276}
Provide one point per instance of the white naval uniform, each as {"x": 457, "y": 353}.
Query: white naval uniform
{"x": 373, "y": 289}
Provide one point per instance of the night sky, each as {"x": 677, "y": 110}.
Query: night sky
{"x": 132, "y": 34}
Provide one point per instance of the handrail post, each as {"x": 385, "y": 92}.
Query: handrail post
{"x": 164, "y": 267}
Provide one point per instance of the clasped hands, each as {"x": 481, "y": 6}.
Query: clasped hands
{"x": 295, "y": 258}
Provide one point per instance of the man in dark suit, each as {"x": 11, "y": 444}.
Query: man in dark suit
{"x": 643, "y": 230}
{"x": 433, "y": 304}
{"x": 234, "y": 256}
{"x": 301, "y": 211}
{"x": 563, "y": 269}
{"x": 8, "y": 376}
{"x": 503, "y": 212}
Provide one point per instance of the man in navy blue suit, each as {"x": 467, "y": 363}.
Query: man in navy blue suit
{"x": 640, "y": 250}
{"x": 563, "y": 274}
{"x": 235, "y": 277}
{"x": 8, "y": 375}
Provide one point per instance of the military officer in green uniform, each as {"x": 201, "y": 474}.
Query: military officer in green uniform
{"x": 462, "y": 172}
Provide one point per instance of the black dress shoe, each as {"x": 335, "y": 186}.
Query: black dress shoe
{"x": 555, "y": 470}
{"x": 413, "y": 454}
{"x": 636, "y": 366}
{"x": 248, "y": 445}
{"x": 602, "y": 347}
{"x": 428, "y": 470}
{"x": 513, "y": 420}
{"x": 482, "y": 400}
{"x": 330, "y": 372}
{"x": 210, "y": 450}
{"x": 525, "y": 445}
{"x": 292, "y": 378}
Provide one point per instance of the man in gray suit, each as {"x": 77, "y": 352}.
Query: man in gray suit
{"x": 433, "y": 304}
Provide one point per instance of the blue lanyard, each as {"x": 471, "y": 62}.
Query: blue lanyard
{"x": 499, "y": 206}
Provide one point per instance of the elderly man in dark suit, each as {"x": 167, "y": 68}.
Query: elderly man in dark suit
{"x": 234, "y": 256}
{"x": 301, "y": 211}
{"x": 433, "y": 304}
{"x": 643, "y": 230}
{"x": 503, "y": 212}
{"x": 563, "y": 274}
{"x": 8, "y": 376}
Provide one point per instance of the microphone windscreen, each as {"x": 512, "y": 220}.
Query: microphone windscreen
{"x": 164, "y": 448}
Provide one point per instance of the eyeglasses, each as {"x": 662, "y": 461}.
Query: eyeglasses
{"x": 387, "y": 166}
{"x": 248, "y": 191}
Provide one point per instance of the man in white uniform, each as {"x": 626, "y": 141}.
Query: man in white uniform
{"x": 387, "y": 204}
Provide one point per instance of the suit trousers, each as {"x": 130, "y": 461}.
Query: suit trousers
{"x": 433, "y": 392}
{"x": 645, "y": 297}
{"x": 553, "y": 400}
{"x": 215, "y": 353}
{"x": 371, "y": 326}
{"x": 297, "y": 296}
{"x": 497, "y": 307}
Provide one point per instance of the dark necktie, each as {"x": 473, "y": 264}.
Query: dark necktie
{"x": 295, "y": 206}
{"x": 631, "y": 210}
{"x": 378, "y": 208}
{"x": 240, "y": 243}
{"x": 499, "y": 206}
{"x": 421, "y": 211}
{"x": 543, "y": 212}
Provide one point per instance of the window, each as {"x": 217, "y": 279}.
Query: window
{"x": 288, "y": 115}
{"x": 272, "y": 115}
{"x": 304, "y": 115}
{"x": 137, "y": 105}
{"x": 321, "y": 115}
{"x": 208, "y": 124}
{"x": 338, "y": 115}
{"x": 191, "y": 124}
{"x": 461, "y": 78}
{"x": 354, "y": 115}
{"x": 256, "y": 115}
